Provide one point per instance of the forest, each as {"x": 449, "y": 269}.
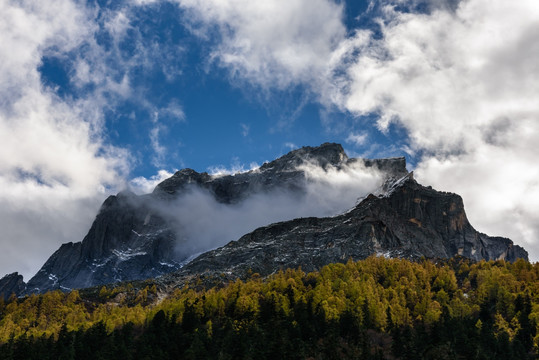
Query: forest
{"x": 375, "y": 308}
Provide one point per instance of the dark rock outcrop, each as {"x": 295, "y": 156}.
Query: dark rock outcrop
{"x": 284, "y": 173}
{"x": 407, "y": 221}
{"x": 11, "y": 284}
{"x": 127, "y": 241}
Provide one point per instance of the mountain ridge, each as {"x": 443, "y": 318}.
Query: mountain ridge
{"x": 393, "y": 224}
{"x": 131, "y": 239}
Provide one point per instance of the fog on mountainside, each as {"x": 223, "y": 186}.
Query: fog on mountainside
{"x": 140, "y": 237}
{"x": 203, "y": 223}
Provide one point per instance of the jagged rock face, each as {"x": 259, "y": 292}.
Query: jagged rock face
{"x": 127, "y": 241}
{"x": 11, "y": 284}
{"x": 284, "y": 173}
{"x": 131, "y": 239}
{"x": 408, "y": 221}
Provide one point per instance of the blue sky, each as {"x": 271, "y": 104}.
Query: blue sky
{"x": 218, "y": 120}
{"x": 97, "y": 96}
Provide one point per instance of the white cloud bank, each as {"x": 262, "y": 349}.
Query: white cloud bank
{"x": 461, "y": 79}
{"x": 202, "y": 223}
{"x": 463, "y": 85}
{"x": 54, "y": 168}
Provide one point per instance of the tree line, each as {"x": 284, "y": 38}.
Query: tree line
{"x": 370, "y": 309}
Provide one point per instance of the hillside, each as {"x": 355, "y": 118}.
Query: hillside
{"x": 371, "y": 309}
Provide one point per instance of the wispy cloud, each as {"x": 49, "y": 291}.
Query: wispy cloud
{"x": 357, "y": 139}
{"x": 159, "y": 150}
{"x": 172, "y": 113}
{"x": 245, "y": 129}
{"x": 290, "y": 146}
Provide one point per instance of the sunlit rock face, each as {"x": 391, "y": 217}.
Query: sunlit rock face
{"x": 138, "y": 237}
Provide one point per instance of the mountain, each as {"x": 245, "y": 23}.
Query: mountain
{"x": 407, "y": 220}
{"x": 11, "y": 284}
{"x": 126, "y": 241}
{"x": 132, "y": 238}
{"x": 137, "y": 237}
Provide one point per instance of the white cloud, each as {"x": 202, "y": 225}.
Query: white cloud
{"x": 462, "y": 84}
{"x": 270, "y": 43}
{"x": 290, "y": 146}
{"x": 55, "y": 169}
{"x": 357, "y": 139}
{"x": 141, "y": 185}
{"x": 245, "y": 130}
{"x": 174, "y": 113}
{"x": 159, "y": 150}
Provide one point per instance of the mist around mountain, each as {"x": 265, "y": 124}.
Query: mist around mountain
{"x": 313, "y": 255}
{"x": 324, "y": 206}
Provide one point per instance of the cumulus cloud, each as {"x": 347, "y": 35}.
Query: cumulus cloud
{"x": 274, "y": 44}
{"x": 55, "y": 168}
{"x": 202, "y": 223}
{"x": 460, "y": 83}
{"x": 142, "y": 185}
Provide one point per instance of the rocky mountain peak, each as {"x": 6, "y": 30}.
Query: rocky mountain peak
{"x": 323, "y": 155}
{"x": 136, "y": 237}
{"x": 284, "y": 172}
{"x": 408, "y": 221}
{"x": 11, "y": 284}
{"x": 180, "y": 180}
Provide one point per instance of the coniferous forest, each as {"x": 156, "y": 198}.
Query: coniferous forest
{"x": 371, "y": 309}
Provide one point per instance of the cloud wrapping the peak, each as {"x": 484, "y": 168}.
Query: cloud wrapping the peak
{"x": 202, "y": 223}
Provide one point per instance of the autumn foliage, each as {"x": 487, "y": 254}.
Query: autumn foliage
{"x": 376, "y": 308}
